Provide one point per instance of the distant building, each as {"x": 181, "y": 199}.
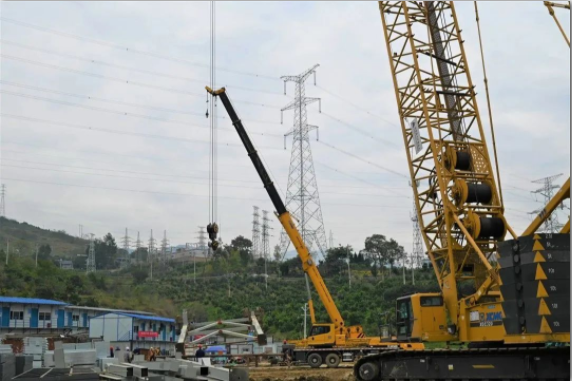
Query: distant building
{"x": 134, "y": 330}
{"x": 190, "y": 255}
{"x": 24, "y": 316}
{"x": 66, "y": 264}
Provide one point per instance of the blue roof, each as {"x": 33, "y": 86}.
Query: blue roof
{"x": 142, "y": 317}
{"x": 13, "y": 299}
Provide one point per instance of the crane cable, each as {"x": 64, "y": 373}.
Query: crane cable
{"x": 486, "y": 81}
{"x": 212, "y": 227}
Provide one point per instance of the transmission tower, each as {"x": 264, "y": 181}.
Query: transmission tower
{"x": 331, "y": 241}
{"x": 256, "y": 234}
{"x": 302, "y": 198}
{"x": 126, "y": 244}
{"x": 164, "y": 245}
{"x": 417, "y": 251}
{"x": 265, "y": 244}
{"x": 3, "y": 201}
{"x": 551, "y": 225}
{"x": 90, "y": 265}
{"x": 151, "y": 248}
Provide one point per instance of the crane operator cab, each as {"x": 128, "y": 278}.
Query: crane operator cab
{"x": 322, "y": 335}
{"x": 421, "y": 317}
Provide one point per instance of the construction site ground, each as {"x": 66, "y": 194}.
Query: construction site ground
{"x": 301, "y": 373}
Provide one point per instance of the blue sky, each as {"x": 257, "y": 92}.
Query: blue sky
{"x": 98, "y": 47}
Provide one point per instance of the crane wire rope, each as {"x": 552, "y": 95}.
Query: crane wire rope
{"x": 486, "y": 81}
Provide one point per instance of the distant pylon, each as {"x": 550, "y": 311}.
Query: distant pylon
{"x": 331, "y": 243}
{"x": 90, "y": 264}
{"x": 265, "y": 244}
{"x": 164, "y": 246}
{"x": 126, "y": 243}
{"x": 256, "y": 234}
{"x": 417, "y": 250}
{"x": 302, "y": 197}
{"x": 3, "y": 201}
{"x": 551, "y": 225}
{"x": 151, "y": 250}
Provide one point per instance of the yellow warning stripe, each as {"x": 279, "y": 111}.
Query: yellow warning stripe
{"x": 483, "y": 366}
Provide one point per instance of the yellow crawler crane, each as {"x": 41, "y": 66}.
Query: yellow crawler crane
{"x": 506, "y": 314}
{"x": 328, "y": 343}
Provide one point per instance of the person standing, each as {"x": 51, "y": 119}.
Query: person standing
{"x": 127, "y": 356}
{"x": 200, "y": 353}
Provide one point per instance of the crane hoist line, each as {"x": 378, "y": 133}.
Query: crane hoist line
{"x": 507, "y": 298}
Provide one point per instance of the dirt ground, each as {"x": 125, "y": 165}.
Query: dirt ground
{"x": 301, "y": 373}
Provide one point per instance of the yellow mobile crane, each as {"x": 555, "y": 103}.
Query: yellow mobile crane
{"x": 506, "y": 299}
{"x": 328, "y": 343}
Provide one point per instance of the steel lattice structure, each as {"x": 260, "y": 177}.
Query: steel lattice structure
{"x": 302, "y": 197}
{"x": 90, "y": 264}
{"x": 445, "y": 144}
{"x": 256, "y": 252}
{"x": 551, "y": 225}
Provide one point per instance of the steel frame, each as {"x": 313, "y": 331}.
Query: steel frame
{"x": 434, "y": 89}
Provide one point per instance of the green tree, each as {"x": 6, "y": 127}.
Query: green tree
{"x": 244, "y": 248}
{"x": 105, "y": 252}
{"x": 277, "y": 254}
{"x": 139, "y": 274}
{"x": 44, "y": 252}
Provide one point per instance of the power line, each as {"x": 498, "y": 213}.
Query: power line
{"x": 107, "y": 130}
{"x": 124, "y": 81}
{"x": 188, "y": 194}
{"x": 117, "y": 101}
{"x": 361, "y": 131}
{"x": 130, "y": 68}
{"x": 123, "y": 113}
{"x": 364, "y": 160}
{"x": 128, "y": 49}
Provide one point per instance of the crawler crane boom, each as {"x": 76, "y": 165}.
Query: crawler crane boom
{"x": 461, "y": 216}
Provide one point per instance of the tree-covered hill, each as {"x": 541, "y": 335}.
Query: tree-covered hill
{"x": 230, "y": 282}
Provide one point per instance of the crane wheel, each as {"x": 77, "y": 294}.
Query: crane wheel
{"x": 315, "y": 360}
{"x": 368, "y": 371}
{"x": 332, "y": 360}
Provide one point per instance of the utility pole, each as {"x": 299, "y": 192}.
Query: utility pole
{"x": 551, "y": 225}
{"x": 255, "y": 233}
{"x": 7, "y": 250}
{"x": 305, "y": 309}
{"x": 302, "y": 197}
{"x": 3, "y": 201}
{"x": 36, "y": 255}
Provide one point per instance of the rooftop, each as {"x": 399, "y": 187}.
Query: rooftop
{"x": 142, "y": 317}
{"x": 14, "y": 299}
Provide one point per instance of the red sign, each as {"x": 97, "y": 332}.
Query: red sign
{"x": 148, "y": 334}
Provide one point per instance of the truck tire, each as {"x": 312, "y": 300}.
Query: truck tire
{"x": 333, "y": 360}
{"x": 315, "y": 360}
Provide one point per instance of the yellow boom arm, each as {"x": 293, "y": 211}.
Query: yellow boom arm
{"x": 284, "y": 216}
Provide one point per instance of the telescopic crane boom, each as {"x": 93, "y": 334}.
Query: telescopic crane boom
{"x": 308, "y": 263}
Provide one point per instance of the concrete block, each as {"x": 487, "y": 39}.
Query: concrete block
{"x": 59, "y": 357}
{"x": 138, "y": 370}
{"x": 120, "y": 370}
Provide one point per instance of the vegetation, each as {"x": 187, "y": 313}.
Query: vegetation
{"x": 230, "y": 282}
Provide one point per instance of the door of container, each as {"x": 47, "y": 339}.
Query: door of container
{"x": 34, "y": 318}
{"x": 5, "y": 316}
{"x": 61, "y": 318}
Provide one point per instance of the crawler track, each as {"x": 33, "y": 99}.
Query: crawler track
{"x": 526, "y": 363}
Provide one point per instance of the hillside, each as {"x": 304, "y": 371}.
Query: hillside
{"x": 23, "y": 237}
{"x": 224, "y": 287}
